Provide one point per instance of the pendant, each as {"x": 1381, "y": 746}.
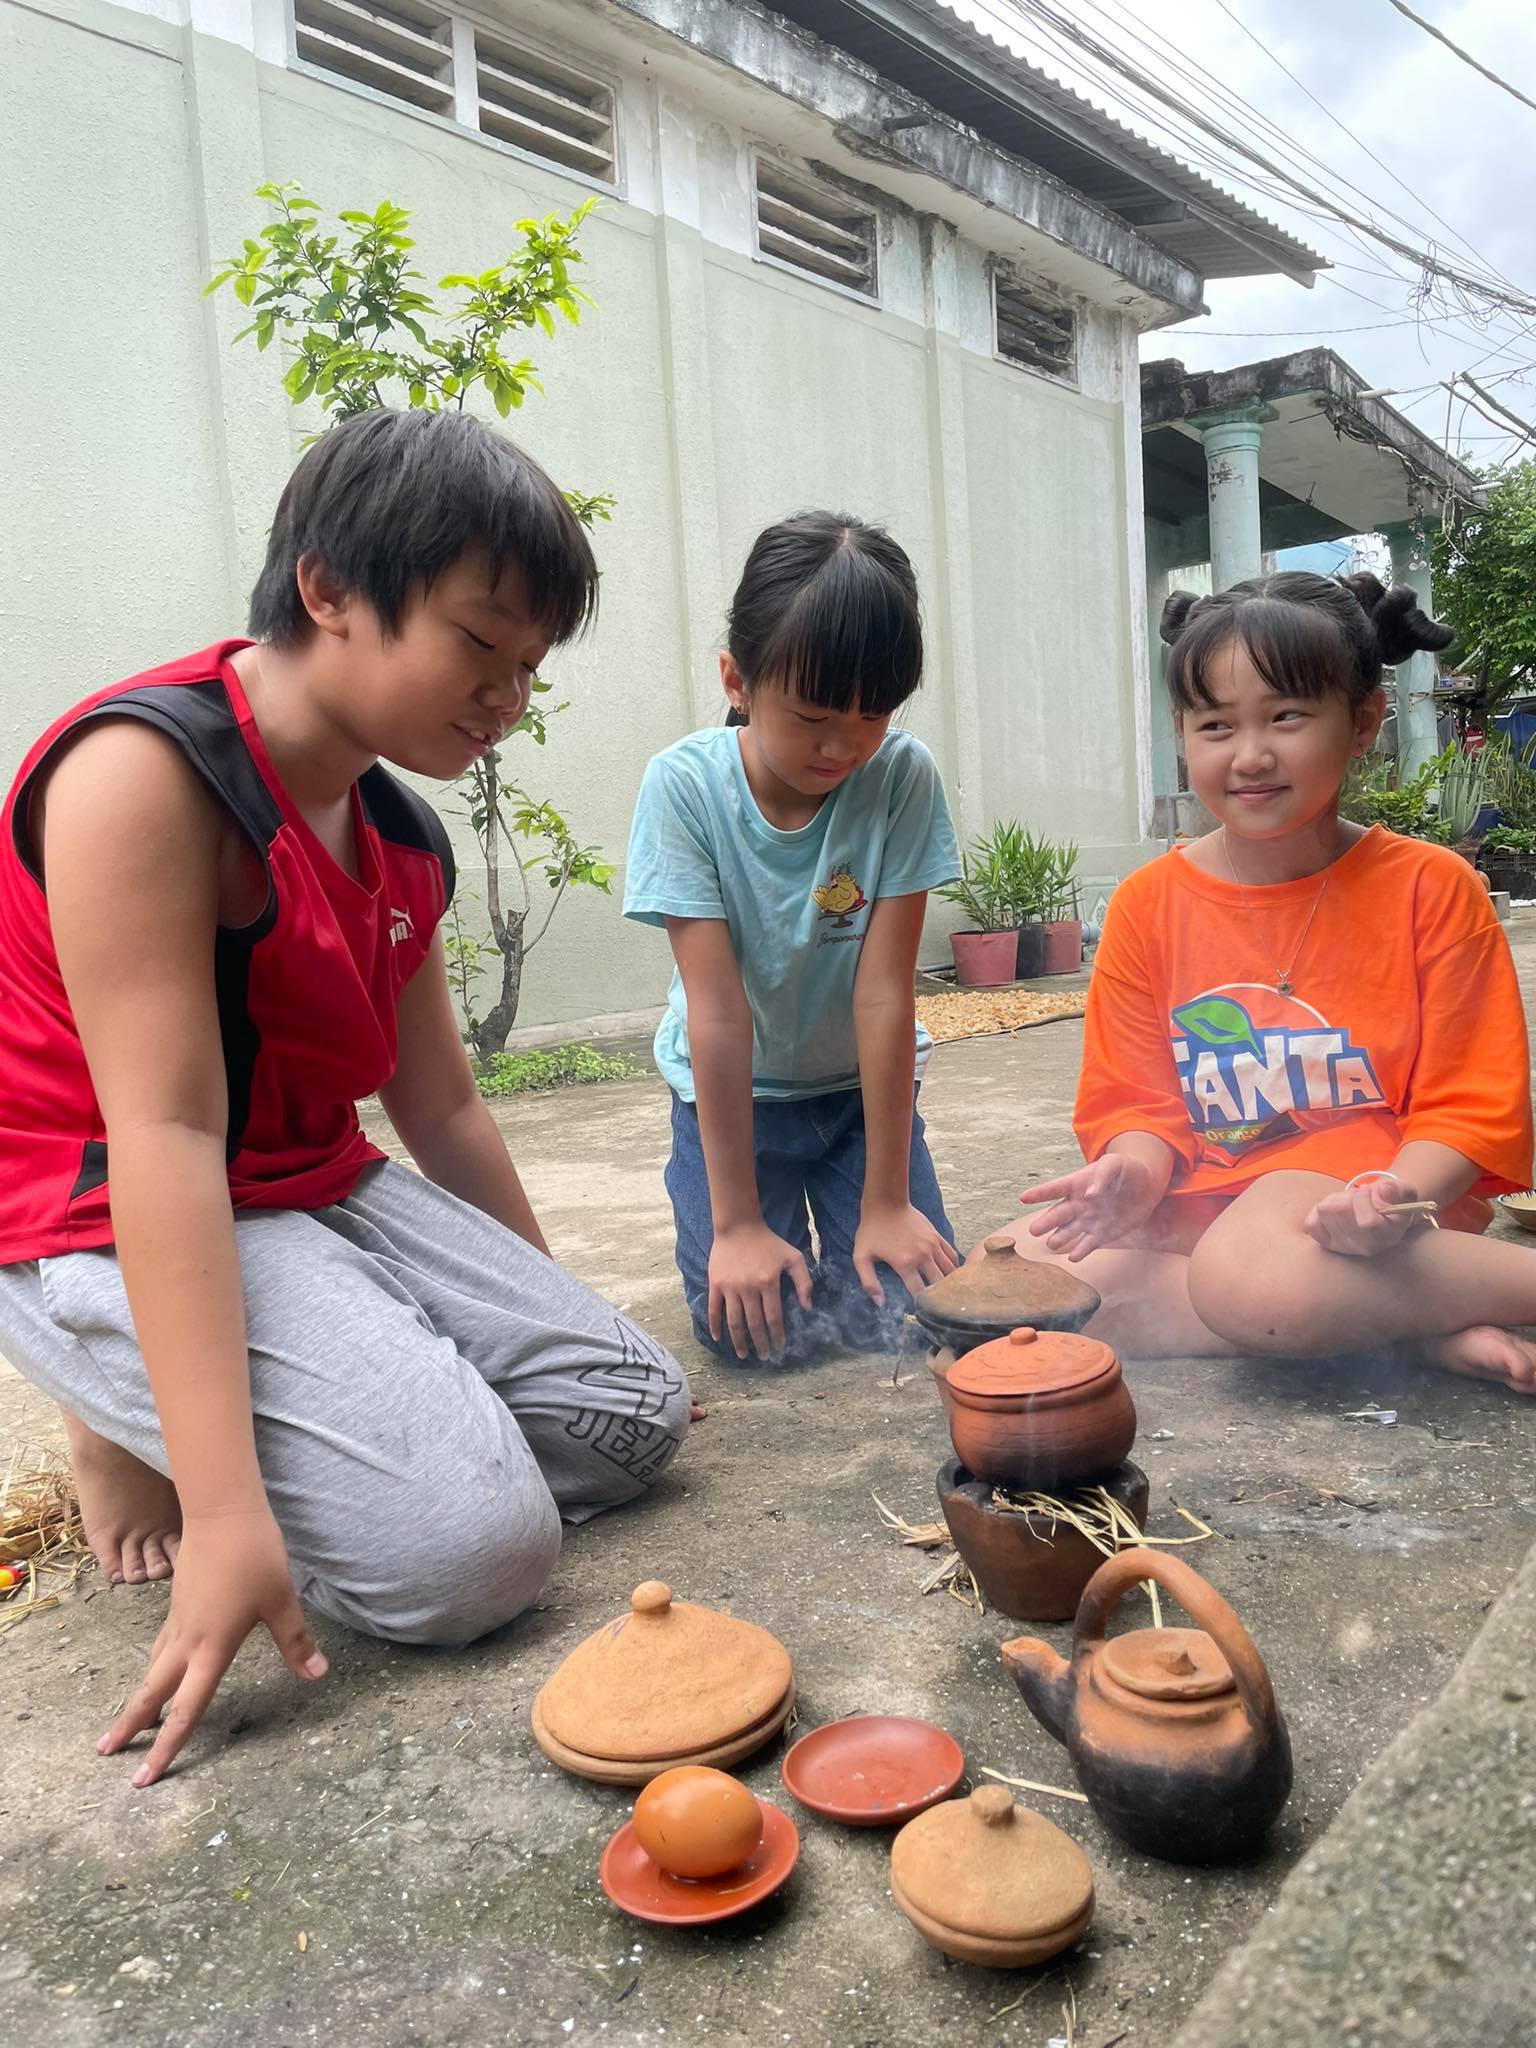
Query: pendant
{"x": 1285, "y": 986}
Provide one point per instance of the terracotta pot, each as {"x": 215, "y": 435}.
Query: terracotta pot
{"x": 998, "y": 1290}
{"x": 1174, "y": 1732}
{"x": 665, "y": 1683}
{"x": 1039, "y": 1410}
{"x": 1030, "y": 961}
{"x": 1063, "y": 945}
{"x": 984, "y": 959}
{"x": 1030, "y": 1567}
{"x": 986, "y": 1881}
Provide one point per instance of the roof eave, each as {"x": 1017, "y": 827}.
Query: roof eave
{"x": 822, "y": 80}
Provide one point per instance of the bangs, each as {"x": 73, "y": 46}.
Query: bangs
{"x": 850, "y": 640}
{"x": 1300, "y": 650}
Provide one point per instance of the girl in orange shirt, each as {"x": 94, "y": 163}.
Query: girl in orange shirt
{"x": 1297, "y": 1027}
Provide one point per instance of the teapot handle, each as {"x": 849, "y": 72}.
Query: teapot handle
{"x": 1198, "y": 1598}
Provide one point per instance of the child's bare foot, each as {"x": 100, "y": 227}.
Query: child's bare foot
{"x": 131, "y": 1513}
{"x": 1488, "y": 1353}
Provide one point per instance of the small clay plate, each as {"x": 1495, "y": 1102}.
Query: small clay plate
{"x": 873, "y": 1770}
{"x": 640, "y": 1887}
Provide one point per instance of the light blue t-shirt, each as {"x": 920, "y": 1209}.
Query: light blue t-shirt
{"x": 797, "y": 904}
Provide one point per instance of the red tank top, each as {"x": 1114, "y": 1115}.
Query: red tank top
{"x": 306, "y": 994}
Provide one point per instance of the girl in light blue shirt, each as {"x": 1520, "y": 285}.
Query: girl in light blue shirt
{"x": 788, "y": 855}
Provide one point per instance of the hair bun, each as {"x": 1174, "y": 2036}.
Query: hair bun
{"x": 1402, "y": 627}
{"x": 1176, "y": 614}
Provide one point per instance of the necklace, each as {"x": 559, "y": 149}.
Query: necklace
{"x": 1284, "y": 986}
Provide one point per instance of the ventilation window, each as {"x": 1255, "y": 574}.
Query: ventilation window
{"x": 816, "y": 232}
{"x": 1034, "y": 330}
{"x": 401, "y": 49}
{"x": 544, "y": 109}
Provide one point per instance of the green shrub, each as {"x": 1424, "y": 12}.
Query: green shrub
{"x": 555, "y": 1066}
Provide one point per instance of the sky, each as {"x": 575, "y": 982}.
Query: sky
{"x": 1449, "y": 143}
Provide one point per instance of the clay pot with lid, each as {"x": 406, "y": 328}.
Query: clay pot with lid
{"x": 1038, "y": 1410}
{"x": 987, "y": 1881}
{"x": 998, "y": 1292}
{"x": 665, "y": 1683}
{"x": 1174, "y": 1732}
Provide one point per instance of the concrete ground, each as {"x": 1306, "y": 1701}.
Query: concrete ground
{"x": 387, "y": 1859}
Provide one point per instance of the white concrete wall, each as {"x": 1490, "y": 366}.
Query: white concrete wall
{"x": 710, "y": 392}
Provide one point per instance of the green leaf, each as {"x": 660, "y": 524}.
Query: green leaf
{"x": 245, "y": 288}
{"x": 418, "y": 394}
{"x": 1218, "y": 1021}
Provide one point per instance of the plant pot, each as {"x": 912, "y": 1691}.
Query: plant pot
{"x": 1031, "y": 955}
{"x": 984, "y": 959}
{"x": 1063, "y": 945}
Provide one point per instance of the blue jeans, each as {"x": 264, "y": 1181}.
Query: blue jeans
{"x": 808, "y": 1157}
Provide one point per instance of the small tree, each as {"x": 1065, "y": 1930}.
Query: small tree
{"x": 1484, "y": 563}
{"x": 364, "y": 334}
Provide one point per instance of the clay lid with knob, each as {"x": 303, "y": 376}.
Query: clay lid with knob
{"x": 990, "y": 1868}
{"x": 1168, "y": 1664}
{"x": 665, "y": 1678}
{"x": 1031, "y": 1361}
{"x": 1005, "y": 1287}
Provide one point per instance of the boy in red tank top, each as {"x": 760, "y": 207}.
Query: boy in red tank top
{"x": 276, "y": 1350}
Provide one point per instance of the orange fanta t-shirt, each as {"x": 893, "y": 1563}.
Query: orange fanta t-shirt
{"x": 1405, "y": 1021}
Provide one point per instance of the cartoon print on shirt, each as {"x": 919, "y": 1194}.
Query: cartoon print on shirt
{"x": 1264, "y": 1067}
{"x": 841, "y": 898}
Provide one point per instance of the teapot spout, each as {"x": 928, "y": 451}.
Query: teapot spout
{"x": 1044, "y": 1679}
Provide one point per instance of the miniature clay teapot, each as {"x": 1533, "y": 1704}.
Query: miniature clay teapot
{"x": 1174, "y": 1732}
{"x": 991, "y": 1295}
{"x": 1037, "y": 1409}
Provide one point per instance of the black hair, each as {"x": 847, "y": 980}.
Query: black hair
{"x": 1308, "y": 636}
{"x": 390, "y": 500}
{"x": 827, "y": 609}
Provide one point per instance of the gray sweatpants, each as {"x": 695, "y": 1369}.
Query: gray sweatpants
{"x": 432, "y": 1396}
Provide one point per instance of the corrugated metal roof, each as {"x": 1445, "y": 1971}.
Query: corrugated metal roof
{"x": 926, "y": 49}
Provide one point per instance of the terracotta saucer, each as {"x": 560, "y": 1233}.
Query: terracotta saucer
{"x": 642, "y": 1888}
{"x": 873, "y": 1770}
{"x": 603, "y": 1770}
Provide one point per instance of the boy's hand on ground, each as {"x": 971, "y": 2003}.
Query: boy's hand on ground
{"x": 231, "y": 1574}
{"x": 1097, "y": 1205}
{"x": 902, "y": 1238}
{"x": 746, "y": 1266}
{"x": 1351, "y": 1222}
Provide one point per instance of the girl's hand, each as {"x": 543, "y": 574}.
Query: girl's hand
{"x": 902, "y": 1238}
{"x": 1097, "y": 1205}
{"x": 231, "y": 1573}
{"x": 1351, "y": 1222}
{"x": 746, "y": 1266}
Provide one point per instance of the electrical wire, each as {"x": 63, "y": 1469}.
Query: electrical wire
{"x": 1423, "y": 259}
{"x": 1466, "y": 57}
{"x": 1345, "y": 129}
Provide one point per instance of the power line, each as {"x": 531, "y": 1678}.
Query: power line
{"x": 1423, "y": 259}
{"x": 1344, "y": 129}
{"x": 1466, "y": 57}
{"x": 1063, "y": 57}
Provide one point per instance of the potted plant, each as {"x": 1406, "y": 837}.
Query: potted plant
{"x": 986, "y": 951}
{"x": 1059, "y": 909}
{"x": 1507, "y": 857}
{"x": 1463, "y": 791}
{"x": 1023, "y": 863}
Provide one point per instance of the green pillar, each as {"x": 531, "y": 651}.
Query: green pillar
{"x": 1414, "y": 691}
{"x": 1162, "y": 553}
{"x": 1231, "y": 438}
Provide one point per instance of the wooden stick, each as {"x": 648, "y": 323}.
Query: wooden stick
{"x": 1411, "y": 1209}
